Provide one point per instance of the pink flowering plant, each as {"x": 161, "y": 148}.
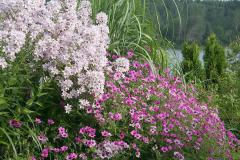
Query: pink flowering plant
{"x": 140, "y": 115}
{"x": 158, "y": 116}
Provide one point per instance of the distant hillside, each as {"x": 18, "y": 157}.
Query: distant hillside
{"x": 182, "y": 20}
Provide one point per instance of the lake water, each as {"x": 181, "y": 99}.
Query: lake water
{"x": 175, "y": 56}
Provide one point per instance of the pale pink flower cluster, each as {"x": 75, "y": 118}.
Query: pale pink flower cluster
{"x": 122, "y": 65}
{"x": 71, "y": 46}
{"x": 108, "y": 149}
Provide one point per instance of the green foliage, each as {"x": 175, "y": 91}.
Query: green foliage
{"x": 25, "y": 92}
{"x": 223, "y": 85}
{"x": 228, "y": 100}
{"x": 191, "y": 65}
{"x": 214, "y": 60}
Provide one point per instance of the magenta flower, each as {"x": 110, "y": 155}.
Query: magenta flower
{"x": 90, "y": 143}
{"x": 33, "y": 158}
{"x": 44, "y": 153}
{"x": 38, "y": 121}
{"x": 179, "y": 156}
{"x": 78, "y": 140}
{"x": 71, "y": 156}
{"x": 117, "y": 76}
{"x": 116, "y": 116}
{"x": 64, "y": 148}
{"x": 106, "y": 134}
{"x": 164, "y": 149}
{"x": 64, "y": 135}
{"x": 50, "y": 122}
{"x": 15, "y": 123}
{"x": 42, "y": 138}
{"x": 145, "y": 140}
{"x": 122, "y": 135}
{"x": 56, "y": 150}
{"x": 130, "y": 54}
{"x": 62, "y": 132}
{"x": 91, "y": 132}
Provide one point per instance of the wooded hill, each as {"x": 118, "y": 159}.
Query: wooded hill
{"x": 190, "y": 20}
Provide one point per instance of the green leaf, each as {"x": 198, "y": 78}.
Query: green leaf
{"x": 38, "y": 103}
{"x": 11, "y": 142}
{"x": 30, "y": 102}
{"x": 5, "y": 143}
{"x": 41, "y": 94}
{"x": 2, "y": 101}
{"x": 27, "y": 111}
{"x": 3, "y": 113}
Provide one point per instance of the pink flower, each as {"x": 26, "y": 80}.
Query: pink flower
{"x": 145, "y": 140}
{"x": 136, "y": 64}
{"x": 62, "y": 132}
{"x": 56, "y": 150}
{"x": 38, "y": 121}
{"x": 116, "y": 116}
{"x": 64, "y": 135}
{"x": 15, "y": 123}
{"x": 117, "y": 76}
{"x": 138, "y": 154}
{"x": 153, "y": 130}
{"x": 44, "y": 153}
{"x": 42, "y": 138}
{"x": 130, "y": 54}
{"x": 134, "y": 132}
{"x": 129, "y": 101}
{"x": 78, "y": 140}
{"x": 83, "y": 156}
{"x": 164, "y": 149}
{"x": 33, "y": 158}
{"x": 106, "y": 134}
{"x": 90, "y": 143}
{"x": 91, "y": 132}
{"x": 122, "y": 135}
{"x": 178, "y": 155}
{"x": 50, "y": 122}
{"x": 64, "y": 148}
{"x": 71, "y": 156}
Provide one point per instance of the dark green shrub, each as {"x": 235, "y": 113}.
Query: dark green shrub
{"x": 214, "y": 60}
{"x": 191, "y": 65}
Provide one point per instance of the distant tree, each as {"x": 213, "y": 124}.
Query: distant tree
{"x": 214, "y": 60}
{"x": 191, "y": 64}
{"x": 195, "y": 20}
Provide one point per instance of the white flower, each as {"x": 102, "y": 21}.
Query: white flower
{"x": 122, "y": 64}
{"x": 101, "y": 18}
{"x": 3, "y": 63}
{"x": 71, "y": 47}
{"x": 83, "y": 103}
{"x": 68, "y": 108}
{"x": 96, "y": 83}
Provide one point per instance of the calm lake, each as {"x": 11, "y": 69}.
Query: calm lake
{"x": 175, "y": 55}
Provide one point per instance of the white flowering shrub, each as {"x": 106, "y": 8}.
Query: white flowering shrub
{"x": 70, "y": 45}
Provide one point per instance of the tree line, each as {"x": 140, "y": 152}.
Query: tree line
{"x": 194, "y": 20}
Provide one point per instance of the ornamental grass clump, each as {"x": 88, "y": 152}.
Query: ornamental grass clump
{"x": 70, "y": 46}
